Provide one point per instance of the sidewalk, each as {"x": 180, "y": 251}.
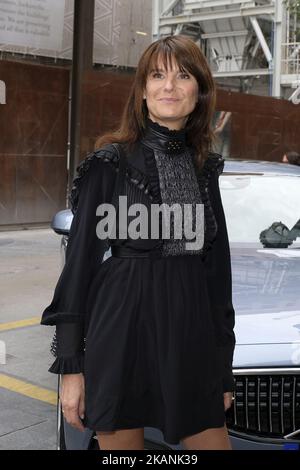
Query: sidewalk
{"x": 29, "y": 268}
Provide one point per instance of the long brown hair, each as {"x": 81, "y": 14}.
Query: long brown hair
{"x": 189, "y": 58}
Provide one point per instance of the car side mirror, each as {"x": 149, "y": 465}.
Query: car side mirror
{"x": 61, "y": 222}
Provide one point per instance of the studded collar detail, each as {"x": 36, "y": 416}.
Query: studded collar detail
{"x": 161, "y": 138}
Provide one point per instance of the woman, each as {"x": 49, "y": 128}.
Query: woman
{"x": 291, "y": 157}
{"x": 146, "y": 338}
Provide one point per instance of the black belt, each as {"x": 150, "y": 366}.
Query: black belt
{"x": 125, "y": 252}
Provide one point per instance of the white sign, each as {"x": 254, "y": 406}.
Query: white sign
{"x": 2, "y": 352}
{"x": 32, "y": 23}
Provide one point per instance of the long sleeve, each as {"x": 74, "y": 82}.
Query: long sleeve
{"x": 219, "y": 281}
{"x": 68, "y": 309}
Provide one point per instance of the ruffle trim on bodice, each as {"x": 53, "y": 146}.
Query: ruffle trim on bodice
{"x": 214, "y": 163}
{"x": 108, "y": 154}
{"x": 149, "y": 183}
{"x": 152, "y": 174}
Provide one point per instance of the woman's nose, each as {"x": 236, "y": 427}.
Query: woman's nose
{"x": 169, "y": 84}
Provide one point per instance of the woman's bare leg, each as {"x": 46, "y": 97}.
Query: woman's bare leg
{"x": 123, "y": 439}
{"x": 210, "y": 439}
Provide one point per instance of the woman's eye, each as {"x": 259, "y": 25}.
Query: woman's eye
{"x": 156, "y": 75}
{"x": 160, "y": 75}
{"x": 184, "y": 75}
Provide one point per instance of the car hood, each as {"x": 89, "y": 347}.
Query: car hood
{"x": 249, "y": 356}
{"x": 268, "y": 328}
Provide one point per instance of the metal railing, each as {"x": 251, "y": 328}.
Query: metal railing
{"x": 290, "y": 62}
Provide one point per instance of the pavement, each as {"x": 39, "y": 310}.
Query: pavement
{"x": 30, "y": 265}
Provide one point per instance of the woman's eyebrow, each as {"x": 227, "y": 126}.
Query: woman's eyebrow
{"x": 156, "y": 70}
{"x": 163, "y": 70}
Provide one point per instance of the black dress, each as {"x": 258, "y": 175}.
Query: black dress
{"x": 151, "y": 327}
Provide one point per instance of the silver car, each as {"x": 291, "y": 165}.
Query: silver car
{"x": 262, "y": 207}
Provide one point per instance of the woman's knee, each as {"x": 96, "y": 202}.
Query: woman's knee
{"x": 210, "y": 439}
{"x": 121, "y": 439}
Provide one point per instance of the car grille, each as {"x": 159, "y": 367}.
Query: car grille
{"x": 266, "y": 405}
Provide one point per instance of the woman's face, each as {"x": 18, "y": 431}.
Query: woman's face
{"x": 171, "y": 96}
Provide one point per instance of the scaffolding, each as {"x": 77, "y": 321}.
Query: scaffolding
{"x": 240, "y": 38}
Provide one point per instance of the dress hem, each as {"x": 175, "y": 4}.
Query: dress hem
{"x": 168, "y": 440}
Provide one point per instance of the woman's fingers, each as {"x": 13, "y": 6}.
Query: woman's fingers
{"x": 81, "y": 407}
{"x": 228, "y": 397}
{"x": 72, "y": 399}
{"x": 72, "y": 417}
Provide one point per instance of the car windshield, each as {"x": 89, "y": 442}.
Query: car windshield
{"x": 252, "y": 203}
{"x": 265, "y": 269}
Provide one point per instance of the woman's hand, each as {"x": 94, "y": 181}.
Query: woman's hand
{"x": 72, "y": 399}
{"x": 228, "y": 398}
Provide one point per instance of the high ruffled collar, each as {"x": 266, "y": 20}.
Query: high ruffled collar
{"x": 161, "y": 138}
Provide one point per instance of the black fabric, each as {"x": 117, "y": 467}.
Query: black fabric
{"x": 217, "y": 263}
{"x": 69, "y": 339}
{"x": 84, "y": 255}
{"x": 84, "y": 250}
{"x": 153, "y": 337}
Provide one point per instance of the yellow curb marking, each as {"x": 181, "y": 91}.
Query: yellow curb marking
{"x": 27, "y": 389}
{"x": 19, "y": 386}
{"x": 19, "y": 323}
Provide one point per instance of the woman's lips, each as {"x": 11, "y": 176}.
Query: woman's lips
{"x": 169, "y": 100}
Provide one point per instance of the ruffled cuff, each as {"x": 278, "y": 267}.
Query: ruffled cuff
{"x": 68, "y": 365}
